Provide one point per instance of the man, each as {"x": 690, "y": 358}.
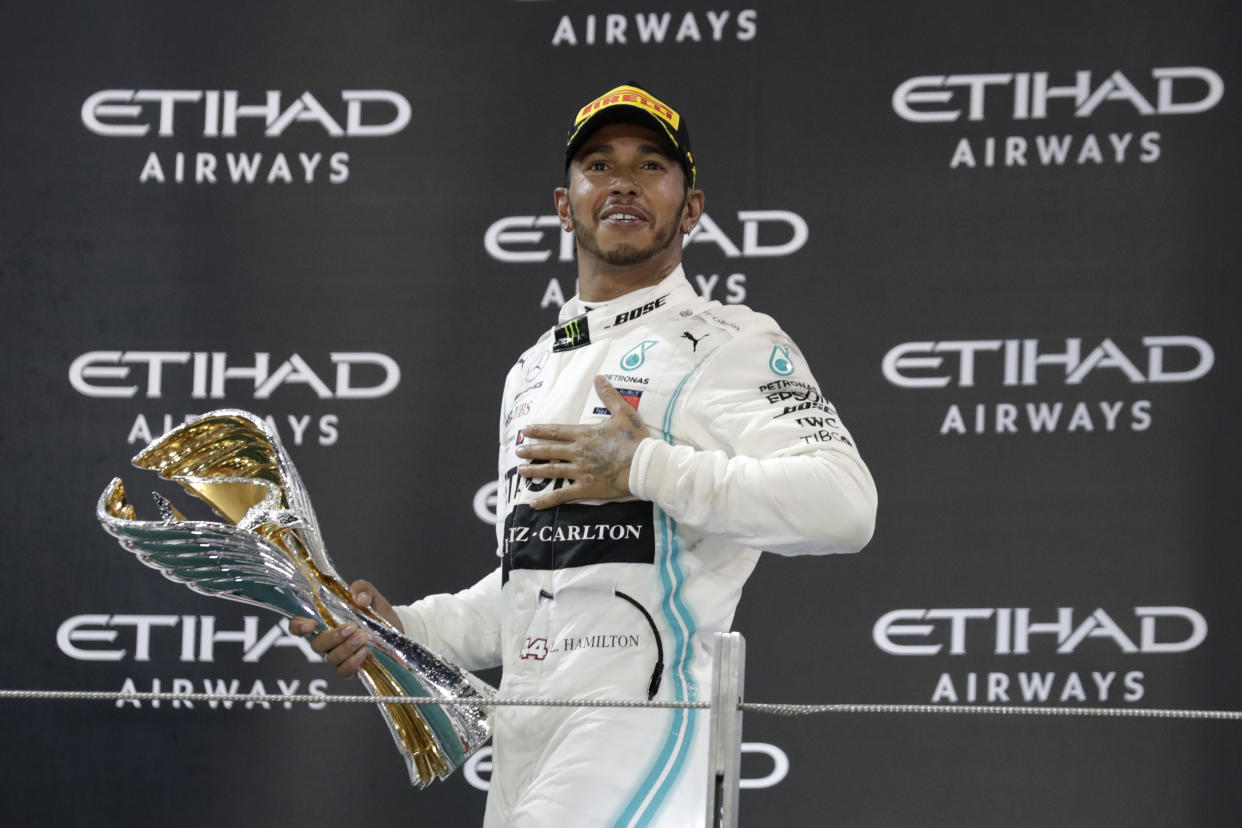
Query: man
{"x": 689, "y": 436}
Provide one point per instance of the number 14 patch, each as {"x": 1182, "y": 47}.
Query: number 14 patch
{"x": 536, "y": 648}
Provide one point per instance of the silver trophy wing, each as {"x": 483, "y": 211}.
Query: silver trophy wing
{"x": 212, "y": 558}
{"x": 270, "y": 554}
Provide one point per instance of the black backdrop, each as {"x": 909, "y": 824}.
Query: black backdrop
{"x": 1003, "y": 233}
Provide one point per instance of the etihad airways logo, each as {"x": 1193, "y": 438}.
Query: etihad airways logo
{"x": 763, "y": 234}
{"x": 231, "y": 114}
{"x": 131, "y": 113}
{"x": 217, "y": 375}
{"x": 656, "y": 28}
{"x": 133, "y": 373}
{"x": 1011, "y": 630}
{"x": 1017, "y": 633}
{"x": 184, "y": 638}
{"x": 133, "y": 639}
{"x": 1020, "y": 97}
{"x": 1178, "y": 90}
{"x": 1017, "y": 363}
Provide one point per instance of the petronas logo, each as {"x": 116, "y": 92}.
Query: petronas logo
{"x": 636, "y": 356}
{"x": 781, "y": 362}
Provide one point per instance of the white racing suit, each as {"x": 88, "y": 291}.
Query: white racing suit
{"x": 621, "y": 600}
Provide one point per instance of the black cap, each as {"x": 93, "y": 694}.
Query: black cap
{"x": 631, "y": 104}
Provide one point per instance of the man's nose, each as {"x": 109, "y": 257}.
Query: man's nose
{"x": 626, "y": 183}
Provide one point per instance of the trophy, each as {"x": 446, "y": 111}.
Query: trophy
{"x": 270, "y": 554}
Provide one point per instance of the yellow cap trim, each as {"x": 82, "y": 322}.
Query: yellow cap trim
{"x": 630, "y": 96}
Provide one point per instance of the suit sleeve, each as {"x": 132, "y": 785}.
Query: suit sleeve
{"x": 763, "y": 457}
{"x": 463, "y": 627}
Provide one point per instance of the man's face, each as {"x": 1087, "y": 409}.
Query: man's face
{"x": 626, "y": 197}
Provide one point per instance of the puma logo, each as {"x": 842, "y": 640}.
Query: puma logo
{"x": 695, "y": 342}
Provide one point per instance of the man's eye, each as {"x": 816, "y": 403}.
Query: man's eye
{"x": 597, "y": 165}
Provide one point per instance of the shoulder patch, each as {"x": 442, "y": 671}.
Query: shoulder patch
{"x": 781, "y": 360}
{"x": 739, "y": 320}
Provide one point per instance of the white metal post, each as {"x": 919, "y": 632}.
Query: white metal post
{"x": 724, "y": 763}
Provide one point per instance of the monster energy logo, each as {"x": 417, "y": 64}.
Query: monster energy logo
{"x": 573, "y": 334}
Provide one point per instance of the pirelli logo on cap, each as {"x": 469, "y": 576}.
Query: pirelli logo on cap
{"x": 630, "y": 96}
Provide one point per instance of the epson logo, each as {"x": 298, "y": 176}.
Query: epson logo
{"x": 1177, "y": 90}
{"x": 126, "y": 374}
{"x": 518, "y": 239}
{"x": 1019, "y": 362}
{"x": 1009, "y": 631}
{"x": 131, "y": 113}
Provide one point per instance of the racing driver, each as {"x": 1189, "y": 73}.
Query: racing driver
{"x": 651, "y": 444}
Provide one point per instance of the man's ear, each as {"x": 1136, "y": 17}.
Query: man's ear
{"x": 692, "y": 210}
{"x": 561, "y": 196}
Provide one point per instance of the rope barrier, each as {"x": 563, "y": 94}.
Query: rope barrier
{"x": 259, "y": 698}
{"x": 993, "y": 710}
{"x": 747, "y": 707}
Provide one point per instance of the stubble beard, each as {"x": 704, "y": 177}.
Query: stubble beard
{"x": 624, "y": 255}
